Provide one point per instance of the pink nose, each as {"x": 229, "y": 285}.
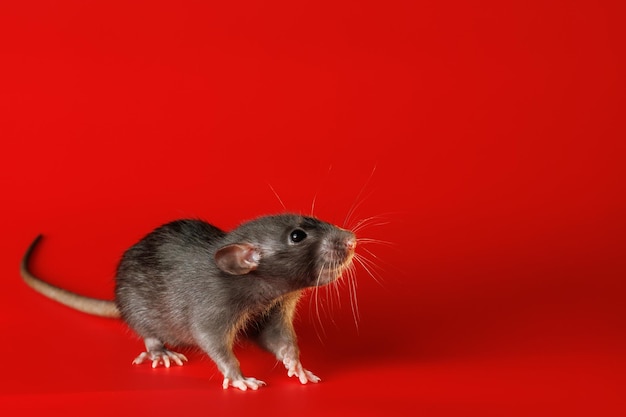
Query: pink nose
{"x": 350, "y": 243}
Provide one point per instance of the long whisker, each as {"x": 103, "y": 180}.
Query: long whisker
{"x": 352, "y": 285}
{"x": 369, "y": 266}
{"x": 337, "y": 293}
{"x": 368, "y": 221}
{"x": 277, "y": 196}
{"x": 330, "y": 167}
{"x": 358, "y": 201}
{"x": 357, "y": 229}
{"x": 371, "y": 224}
{"x": 374, "y": 221}
{"x": 331, "y": 303}
{"x": 365, "y": 241}
{"x": 317, "y": 304}
{"x": 370, "y": 253}
{"x": 355, "y": 206}
{"x": 313, "y": 204}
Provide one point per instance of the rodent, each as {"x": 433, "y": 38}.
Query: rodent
{"x": 191, "y": 283}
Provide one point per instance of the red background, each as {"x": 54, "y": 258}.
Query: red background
{"x": 486, "y": 137}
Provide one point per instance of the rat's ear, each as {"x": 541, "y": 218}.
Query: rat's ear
{"x": 237, "y": 259}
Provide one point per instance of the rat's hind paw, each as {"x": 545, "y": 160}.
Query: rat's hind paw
{"x": 161, "y": 356}
{"x": 243, "y": 383}
{"x": 294, "y": 368}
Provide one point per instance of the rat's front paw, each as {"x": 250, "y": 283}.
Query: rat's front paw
{"x": 294, "y": 368}
{"x": 243, "y": 383}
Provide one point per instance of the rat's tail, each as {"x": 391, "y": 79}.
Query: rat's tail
{"x": 94, "y": 306}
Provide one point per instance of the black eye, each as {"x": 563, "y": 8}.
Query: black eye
{"x": 297, "y": 235}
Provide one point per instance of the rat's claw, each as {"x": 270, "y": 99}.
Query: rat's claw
{"x": 243, "y": 383}
{"x": 139, "y": 359}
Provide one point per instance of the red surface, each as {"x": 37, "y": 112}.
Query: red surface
{"x": 496, "y": 130}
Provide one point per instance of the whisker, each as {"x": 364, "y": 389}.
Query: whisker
{"x": 369, "y": 252}
{"x": 382, "y": 220}
{"x": 337, "y": 293}
{"x": 354, "y": 301}
{"x": 317, "y": 304}
{"x": 356, "y": 229}
{"x": 364, "y": 260}
{"x": 369, "y": 266}
{"x": 364, "y": 241}
{"x": 277, "y": 196}
{"x": 363, "y": 248}
{"x": 352, "y": 284}
{"x": 313, "y": 204}
{"x": 330, "y": 304}
{"x": 355, "y": 206}
{"x": 358, "y": 203}
{"x": 368, "y": 222}
{"x": 314, "y": 304}
{"x": 330, "y": 167}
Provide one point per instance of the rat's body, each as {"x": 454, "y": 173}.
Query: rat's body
{"x": 190, "y": 283}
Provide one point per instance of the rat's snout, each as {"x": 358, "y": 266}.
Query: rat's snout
{"x": 344, "y": 245}
{"x": 339, "y": 247}
{"x": 345, "y": 242}
{"x": 336, "y": 253}
{"x": 350, "y": 243}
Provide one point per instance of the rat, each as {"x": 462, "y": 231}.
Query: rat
{"x": 189, "y": 283}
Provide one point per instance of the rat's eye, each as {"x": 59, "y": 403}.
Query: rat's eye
{"x": 297, "y": 235}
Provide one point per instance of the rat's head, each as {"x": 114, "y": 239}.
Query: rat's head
{"x": 304, "y": 250}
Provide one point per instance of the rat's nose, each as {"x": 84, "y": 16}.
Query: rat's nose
{"x": 350, "y": 243}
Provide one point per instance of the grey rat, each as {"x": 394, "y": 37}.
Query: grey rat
{"x": 190, "y": 283}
